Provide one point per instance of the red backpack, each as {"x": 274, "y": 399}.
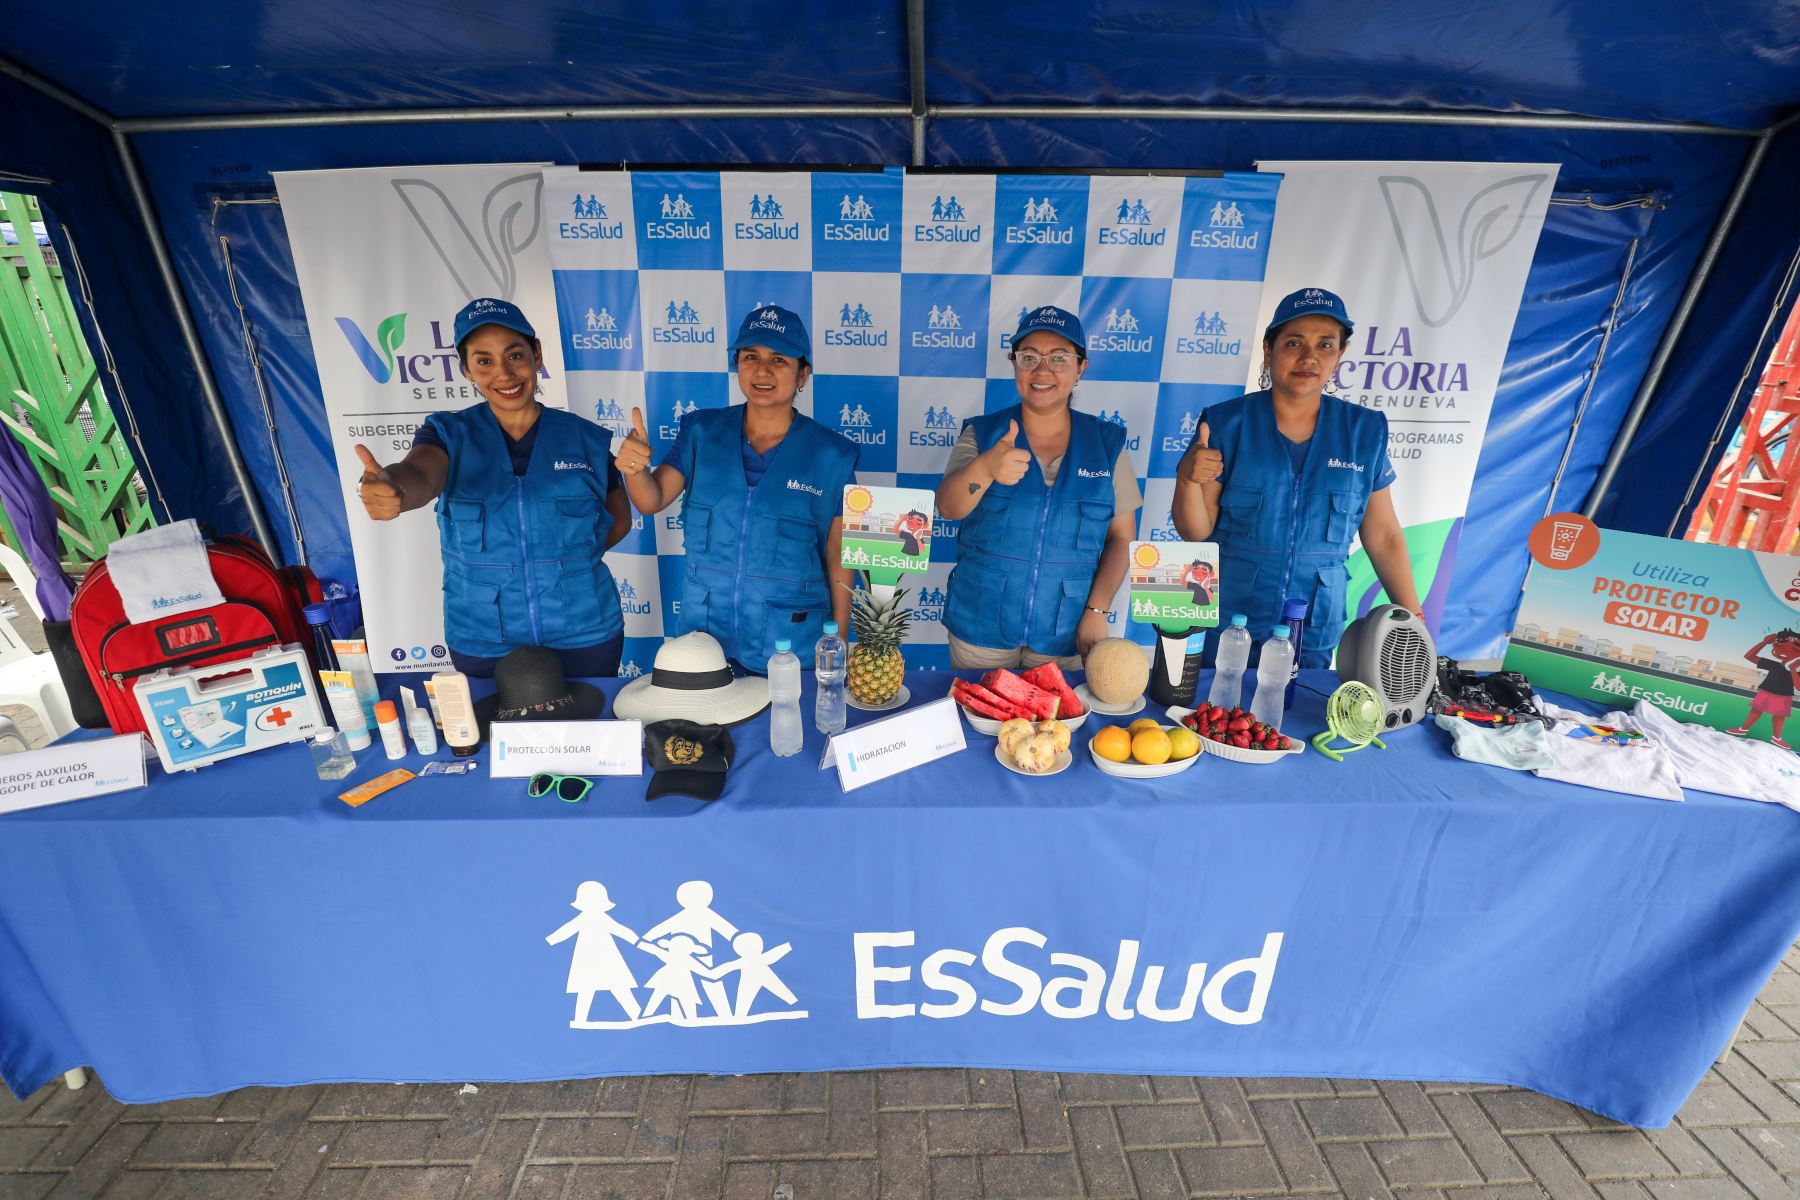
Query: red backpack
{"x": 263, "y": 607}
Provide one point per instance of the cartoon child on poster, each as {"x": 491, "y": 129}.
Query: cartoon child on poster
{"x": 911, "y": 527}
{"x": 1201, "y": 580}
{"x": 1776, "y": 694}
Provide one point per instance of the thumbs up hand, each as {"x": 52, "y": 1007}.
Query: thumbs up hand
{"x": 1006, "y": 462}
{"x": 634, "y": 452}
{"x": 381, "y": 497}
{"x": 1202, "y": 464}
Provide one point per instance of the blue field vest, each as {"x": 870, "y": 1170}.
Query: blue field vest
{"x": 522, "y": 563}
{"x": 755, "y": 557}
{"x": 1026, "y": 556}
{"x": 1282, "y": 534}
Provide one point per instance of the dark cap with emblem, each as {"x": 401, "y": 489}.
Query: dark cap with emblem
{"x": 689, "y": 759}
{"x": 529, "y": 686}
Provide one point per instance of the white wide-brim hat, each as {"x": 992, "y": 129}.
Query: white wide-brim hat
{"x": 690, "y": 680}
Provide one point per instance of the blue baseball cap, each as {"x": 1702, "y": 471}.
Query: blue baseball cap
{"x": 1059, "y": 321}
{"x": 1310, "y": 302}
{"x": 780, "y": 329}
{"x": 486, "y": 310}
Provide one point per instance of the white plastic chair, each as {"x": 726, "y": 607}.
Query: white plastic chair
{"x": 32, "y": 680}
{"x": 22, "y": 577}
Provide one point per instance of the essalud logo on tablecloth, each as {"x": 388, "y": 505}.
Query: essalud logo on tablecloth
{"x": 690, "y": 974}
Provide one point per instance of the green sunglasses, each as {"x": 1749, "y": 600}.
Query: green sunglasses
{"x": 569, "y": 788}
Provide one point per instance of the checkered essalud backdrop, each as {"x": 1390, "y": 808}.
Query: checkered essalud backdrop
{"x": 911, "y": 285}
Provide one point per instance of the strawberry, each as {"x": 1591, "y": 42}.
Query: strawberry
{"x": 1241, "y": 740}
{"x": 1238, "y": 725}
{"x": 1285, "y": 743}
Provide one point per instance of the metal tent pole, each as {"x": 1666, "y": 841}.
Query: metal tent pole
{"x": 1671, "y": 335}
{"x": 915, "y": 62}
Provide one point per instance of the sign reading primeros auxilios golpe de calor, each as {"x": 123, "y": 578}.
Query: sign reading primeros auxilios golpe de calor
{"x": 1710, "y": 633}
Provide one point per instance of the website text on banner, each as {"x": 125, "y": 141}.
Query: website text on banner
{"x": 385, "y": 258}
{"x": 1710, "y": 633}
{"x": 912, "y": 286}
{"x": 1431, "y": 258}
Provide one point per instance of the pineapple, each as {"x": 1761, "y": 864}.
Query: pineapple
{"x": 876, "y": 666}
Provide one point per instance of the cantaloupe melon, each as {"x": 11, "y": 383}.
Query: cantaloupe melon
{"x": 1117, "y": 671}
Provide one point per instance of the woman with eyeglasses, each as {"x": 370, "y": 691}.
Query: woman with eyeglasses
{"x": 764, "y": 489}
{"x": 1048, "y": 503}
{"x": 1284, "y": 478}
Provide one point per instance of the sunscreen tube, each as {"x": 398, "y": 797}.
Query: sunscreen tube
{"x": 353, "y": 657}
{"x": 437, "y": 718}
{"x": 362, "y": 793}
{"x": 388, "y": 721}
{"x": 460, "y": 729}
{"x": 418, "y": 723}
{"x": 346, "y": 709}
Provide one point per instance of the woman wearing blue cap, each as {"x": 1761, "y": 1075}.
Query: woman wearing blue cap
{"x": 1284, "y": 478}
{"x": 522, "y": 533}
{"x": 1048, "y": 503}
{"x": 762, "y": 522}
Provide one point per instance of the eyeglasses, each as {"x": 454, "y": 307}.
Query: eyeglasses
{"x": 568, "y": 788}
{"x": 1027, "y": 361}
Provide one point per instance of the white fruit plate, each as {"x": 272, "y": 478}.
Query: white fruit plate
{"x": 1240, "y": 753}
{"x": 1134, "y": 770}
{"x": 1057, "y": 765}
{"x": 991, "y": 727}
{"x": 1086, "y": 695}
{"x": 900, "y": 698}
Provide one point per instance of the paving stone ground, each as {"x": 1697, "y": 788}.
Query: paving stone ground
{"x": 917, "y": 1135}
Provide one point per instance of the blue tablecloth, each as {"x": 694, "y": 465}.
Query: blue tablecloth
{"x": 1399, "y": 915}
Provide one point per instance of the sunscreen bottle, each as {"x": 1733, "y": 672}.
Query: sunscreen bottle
{"x": 458, "y": 711}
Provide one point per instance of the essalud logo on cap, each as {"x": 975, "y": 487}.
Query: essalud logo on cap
{"x": 382, "y": 359}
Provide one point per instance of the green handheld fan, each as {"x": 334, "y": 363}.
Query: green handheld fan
{"x": 1353, "y": 713}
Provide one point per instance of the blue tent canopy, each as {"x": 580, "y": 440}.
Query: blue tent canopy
{"x": 146, "y": 137}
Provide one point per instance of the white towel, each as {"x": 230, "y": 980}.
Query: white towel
{"x": 163, "y": 571}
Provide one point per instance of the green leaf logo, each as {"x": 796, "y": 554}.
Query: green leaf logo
{"x": 388, "y": 335}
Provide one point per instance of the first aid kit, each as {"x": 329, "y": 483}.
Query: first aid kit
{"x": 199, "y": 715}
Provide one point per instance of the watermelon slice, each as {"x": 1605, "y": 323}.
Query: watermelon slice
{"x": 982, "y": 702}
{"x": 1051, "y": 680}
{"x": 1034, "y": 700}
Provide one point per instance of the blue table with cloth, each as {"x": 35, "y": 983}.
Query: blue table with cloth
{"x": 1399, "y": 915}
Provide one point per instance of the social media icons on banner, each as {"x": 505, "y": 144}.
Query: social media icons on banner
{"x": 944, "y": 325}
{"x": 678, "y": 221}
{"x": 767, "y": 221}
{"x": 864, "y": 409}
{"x": 1040, "y": 225}
{"x": 948, "y": 225}
{"x": 856, "y": 323}
{"x": 856, "y": 221}
{"x": 1133, "y": 225}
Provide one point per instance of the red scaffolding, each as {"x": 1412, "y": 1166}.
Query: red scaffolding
{"x": 1753, "y": 499}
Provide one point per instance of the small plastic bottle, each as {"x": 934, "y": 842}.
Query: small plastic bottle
{"x": 331, "y": 754}
{"x": 1293, "y": 615}
{"x": 785, "y": 733}
{"x": 393, "y": 738}
{"x": 1272, "y": 678}
{"x": 424, "y": 733}
{"x": 318, "y": 628}
{"x": 1232, "y": 659}
{"x": 830, "y": 659}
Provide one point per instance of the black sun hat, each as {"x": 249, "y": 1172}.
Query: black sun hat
{"x": 529, "y": 686}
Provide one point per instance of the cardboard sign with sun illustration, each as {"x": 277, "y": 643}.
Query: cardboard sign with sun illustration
{"x": 1175, "y": 584}
{"x": 887, "y": 530}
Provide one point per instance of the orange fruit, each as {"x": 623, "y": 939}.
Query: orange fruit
{"x": 1142, "y": 723}
{"x": 1183, "y": 743}
{"x": 1151, "y": 747}
{"x": 1113, "y": 743}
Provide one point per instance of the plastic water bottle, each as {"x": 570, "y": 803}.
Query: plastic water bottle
{"x": 1230, "y": 662}
{"x": 1272, "y": 678}
{"x": 829, "y": 660}
{"x": 1293, "y": 615}
{"x": 785, "y": 734}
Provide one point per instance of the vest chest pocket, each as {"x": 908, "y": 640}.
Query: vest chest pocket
{"x": 578, "y": 521}
{"x": 467, "y": 526}
{"x": 1092, "y": 518}
{"x": 696, "y": 527}
{"x": 796, "y": 550}
{"x": 1239, "y": 508}
{"x": 1342, "y": 516}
